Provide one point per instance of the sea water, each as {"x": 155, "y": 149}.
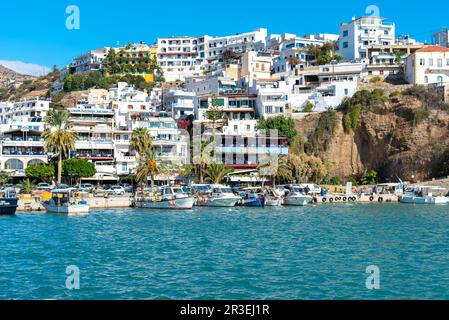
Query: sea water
{"x": 315, "y": 252}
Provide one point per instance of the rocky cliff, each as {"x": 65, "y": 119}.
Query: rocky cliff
{"x": 404, "y": 135}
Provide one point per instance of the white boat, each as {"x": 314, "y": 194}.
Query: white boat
{"x": 295, "y": 196}
{"x": 217, "y": 196}
{"x": 273, "y": 198}
{"x": 66, "y": 201}
{"x": 424, "y": 195}
{"x": 167, "y": 198}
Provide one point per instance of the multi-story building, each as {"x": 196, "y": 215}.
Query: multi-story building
{"x": 441, "y": 38}
{"x": 179, "y": 103}
{"x": 358, "y": 34}
{"x": 178, "y": 57}
{"x": 428, "y": 65}
{"x": 256, "y": 65}
{"x": 21, "y": 127}
{"x": 183, "y": 57}
{"x": 137, "y": 59}
{"x": 272, "y": 97}
{"x": 213, "y": 85}
{"x": 90, "y": 61}
{"x": 233, "y": 106}
{"x": 324, "y": 86}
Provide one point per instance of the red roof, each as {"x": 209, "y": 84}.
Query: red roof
{"x": 433, "y": 49}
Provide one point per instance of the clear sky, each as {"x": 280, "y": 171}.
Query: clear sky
{"x": 35, "y": 31}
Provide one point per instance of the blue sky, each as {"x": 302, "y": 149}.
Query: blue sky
{"x": 34, "y": 32}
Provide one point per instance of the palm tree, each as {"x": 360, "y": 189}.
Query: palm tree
{"x": 216, "y": 172}
{"x": 147, "y": 167}
{"x": 141, "y": 141}
{"x": 201, "y": 160}
{"x": 275, "y": 168}
{"x": 58, "y": 139}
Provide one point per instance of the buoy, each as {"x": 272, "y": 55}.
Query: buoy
{"x": 324, "y": 200}
{"x": 371, "y": 198}
{"x": 331, "y": 200}
{"x": 344, "y": 199}
{"x": 380, "y": 199}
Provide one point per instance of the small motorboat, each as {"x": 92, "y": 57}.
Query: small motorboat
{"x": 296, "y": 196}
{"x": 273, "y": 198}
{"x": 424, "y": 195}
{"x": 167, "y": 198}
{"x": 215, "y": 196}
{"x": 8, "y": 202}
{"x": 253, "y": 197}
{"x": 66, "y": 201}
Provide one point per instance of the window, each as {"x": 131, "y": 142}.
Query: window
{"x": 426, "y": 79}
{"x": 422, "y": 62}
{"x": 346, "y": 92}
{"x": 386, "y": 32}
{"x": 345, "y": 44}
{"x": 440, "y": 63}
{"x": 345, "y": 33}
{"x": 430, "y": 62}
{"x": 440, "y": 80}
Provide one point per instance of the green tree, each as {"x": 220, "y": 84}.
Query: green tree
{"x": 43, "y": 172}
{"x": 214, "y": 114}
{"x": 370, "y": 177}
{"x": 147, "y": 168}
{"x": 4, "y": 177}
{"x": 58, "y": 138}
{"x": 141, "y": 141}
{"x": 308, "y": 107}
{"x": 285, "y": 126}
{"x": 27, "y": 186}
{"x": 78, "y": 168}
{"x": 216, "y": 172}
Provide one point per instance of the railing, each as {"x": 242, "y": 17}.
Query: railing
{"x": 24, "y": 153}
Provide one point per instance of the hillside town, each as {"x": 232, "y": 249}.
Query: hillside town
{"x": 185, "y": 81}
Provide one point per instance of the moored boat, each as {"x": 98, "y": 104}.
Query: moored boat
{"x": 66, "y": 201}
{"x": 167, "y": 198}
{"x": 273, "y": 198}
{"x": 424, "y": 195}
{"x": 8, "y": 202}
{"x": 253, "y": 197}
{"x": 216, "y": 196}
{"x": 296, "y": 196}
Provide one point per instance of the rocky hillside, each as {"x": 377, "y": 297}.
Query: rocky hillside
{"x": 9, "y": 77}
{"x": 403, "y": 134}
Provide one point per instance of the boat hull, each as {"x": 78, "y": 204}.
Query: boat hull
{"x": 78, "y": 209}
{"x": 424, "y": 200}
{"x": 273, "y": 202}
{"x": 217, "y": 202}
{"x": 8, "y": 206}
{"x": 257, "y": 203}
{"x": 176, "y": 204}
{"x": 297, "y": 201}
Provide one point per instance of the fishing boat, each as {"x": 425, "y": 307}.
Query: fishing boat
{"x": 215, "y": 196}
{"x": 167, "y": 198}
{"x": 424, "y": 195}
{"x": 296, "y": 196}
{"x": 253, "y": 197}
{"x": 8, "y": 202}
{"x": 66, "y": 201}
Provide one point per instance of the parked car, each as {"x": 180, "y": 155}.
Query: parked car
{"x": 43, "y": 186}
{"x": 116, "y": 190}
{"x": 86, "y": 187}
{"x": 128, "y": 188}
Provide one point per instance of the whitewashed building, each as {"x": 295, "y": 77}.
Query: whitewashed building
{"x": 429, "y": 65}
{"x": 89, "y": 61}
{"x": 179, "y": 103}
{"x": 358, "y": 34}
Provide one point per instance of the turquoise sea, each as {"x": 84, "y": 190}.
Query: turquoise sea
{"x": 319, "y": 252}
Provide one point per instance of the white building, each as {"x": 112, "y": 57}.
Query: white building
{"x": 358, "y": 34}
{"x": 429, "y": 65}
{"x": 183, "y": 57}
{"x": 180, "y": 103}
{"x": 324, "y": 86}
{"x": 272, "y": 97}
{"x": 178, "y": 57}
{"x": 21, "y": 126}
{"x": 90, "y": 61}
